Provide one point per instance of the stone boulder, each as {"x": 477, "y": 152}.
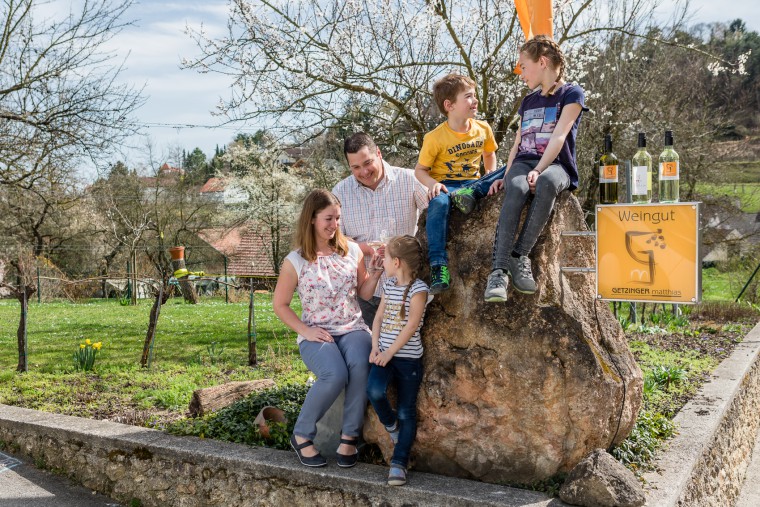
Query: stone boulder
{"x": 599, "y": 480}
{"x": 516, "y": 392}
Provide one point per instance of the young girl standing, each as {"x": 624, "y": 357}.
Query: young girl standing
{"x": 541, "y": 162}
{"x": 397, "y": 349}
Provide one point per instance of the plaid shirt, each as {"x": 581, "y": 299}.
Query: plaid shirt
{"x": 394, "y": 206}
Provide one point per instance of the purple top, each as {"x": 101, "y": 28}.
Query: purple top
{"x": 539, "y": 116}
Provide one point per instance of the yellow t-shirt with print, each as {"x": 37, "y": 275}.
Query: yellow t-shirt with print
{"x": 454, "y": 155}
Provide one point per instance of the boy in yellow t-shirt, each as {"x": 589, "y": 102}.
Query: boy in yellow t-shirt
{"x": 449, "y": 166}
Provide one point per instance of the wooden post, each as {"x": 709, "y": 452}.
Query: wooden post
{"x": 251, "y": 330}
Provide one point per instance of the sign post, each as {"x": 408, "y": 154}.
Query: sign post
{"x": 648, "y": 253}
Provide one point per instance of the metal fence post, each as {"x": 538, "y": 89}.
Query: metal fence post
{"x": 226, "y": 287}
{"x": 39, "y": 292}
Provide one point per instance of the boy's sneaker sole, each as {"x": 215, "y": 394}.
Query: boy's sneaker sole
{"x": 496, "y": 299}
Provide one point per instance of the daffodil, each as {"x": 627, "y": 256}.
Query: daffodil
{"x": 81, "y": 345}
{"x": 88, "y": 342}
{"x": 97, "y": 345}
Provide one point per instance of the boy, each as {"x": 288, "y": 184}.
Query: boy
{"x": 449, "y": 165}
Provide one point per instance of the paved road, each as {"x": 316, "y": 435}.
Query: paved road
{"x": 23, "y": 485}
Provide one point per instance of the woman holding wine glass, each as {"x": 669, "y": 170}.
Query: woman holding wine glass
{"x": 328, "y": 272}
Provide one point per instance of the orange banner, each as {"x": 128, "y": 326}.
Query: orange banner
{"x": 648, "y": 253}
{"x": 536, "y": 18}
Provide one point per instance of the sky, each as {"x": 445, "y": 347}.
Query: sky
{"x": 154, "y": 46}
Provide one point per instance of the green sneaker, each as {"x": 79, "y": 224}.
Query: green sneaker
{"x": 464, "y": 200}
{"x": 439, "y": 279}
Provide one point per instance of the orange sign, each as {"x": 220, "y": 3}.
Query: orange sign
{"x": 648, "y": 252}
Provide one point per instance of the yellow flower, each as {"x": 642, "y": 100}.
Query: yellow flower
{"x": 81, "y": 345}
{"x": 88, "y": 342}
{"x": 97, "y": 345}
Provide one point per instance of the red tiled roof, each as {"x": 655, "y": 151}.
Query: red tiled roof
{"x": 213, "y": 185}
{"x": 246, "y": 247}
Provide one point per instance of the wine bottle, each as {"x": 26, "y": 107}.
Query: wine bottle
{"x": 608, "y": 174}
{"x": 669, "y": 171}
{"x": 641, "y": 177}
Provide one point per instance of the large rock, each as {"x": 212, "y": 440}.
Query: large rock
{"x": 516, "y": 392}
{"x": 599, "y": 480}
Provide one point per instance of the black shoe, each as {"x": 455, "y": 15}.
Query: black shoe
{"x": 313, "y": 461}
{"x": 348, "y": 460}
{"x": 439, "y": 279}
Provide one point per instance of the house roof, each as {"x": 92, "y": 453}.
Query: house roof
{"x": 213, "y": 184}
{"x": 247, "y": 248}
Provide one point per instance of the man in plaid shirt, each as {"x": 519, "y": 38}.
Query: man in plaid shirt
{"x": 376, "y": 197}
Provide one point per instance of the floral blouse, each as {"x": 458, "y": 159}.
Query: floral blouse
{"x": 328, "y": 292}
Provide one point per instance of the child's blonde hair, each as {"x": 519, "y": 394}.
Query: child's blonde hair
{"x": 448, "y": 87}
{"x": 541, "y": 45}
{"x": 407, "y": 249}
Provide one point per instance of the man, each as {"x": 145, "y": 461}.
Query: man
{"x": 377, "y": 197}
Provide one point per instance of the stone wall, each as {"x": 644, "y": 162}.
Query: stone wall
{"x": 129, "y": 463}
{"x": 706, "y": 463}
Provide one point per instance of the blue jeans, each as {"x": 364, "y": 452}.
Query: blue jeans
{"x": 437, "y": 225}
{"x": 408, "y": 376}
{"x": 552, "y": 181}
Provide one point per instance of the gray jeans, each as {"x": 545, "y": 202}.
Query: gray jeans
{"x": 517, "y": 192}
{"x": 341, "y": 364}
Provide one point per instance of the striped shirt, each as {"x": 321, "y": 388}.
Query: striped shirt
{"x": 393, "y": 323}
{"x": 393, "y": 206}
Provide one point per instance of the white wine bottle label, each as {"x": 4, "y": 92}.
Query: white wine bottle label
{"x": 640, "y": 180}
{"x": 608, "y": 174}
{"x": 669, "y": 171}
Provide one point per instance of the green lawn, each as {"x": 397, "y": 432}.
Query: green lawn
{"x": 196, "y": 346}
{"x": 748, "y": 193}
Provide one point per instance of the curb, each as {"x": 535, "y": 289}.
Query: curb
{"x": 128, "y": 462}
{"x": 706, "y": 462}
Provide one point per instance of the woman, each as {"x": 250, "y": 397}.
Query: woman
{"x": 328, "y": 272}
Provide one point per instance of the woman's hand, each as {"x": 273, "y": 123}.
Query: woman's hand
{"x": 383, "y": 358}
{"x": 317, "y": 334}
{"x": 532, "y": 177}
{"x": 496, "y": 187}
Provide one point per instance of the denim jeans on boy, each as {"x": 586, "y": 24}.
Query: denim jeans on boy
{"x": 552, "y": 181}
{"x": 408, "y": 376}
{"x": 437, "y": 225}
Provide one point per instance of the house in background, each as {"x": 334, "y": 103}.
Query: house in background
{"x": 221, "y": 190}
{"x": 247, "y": 248}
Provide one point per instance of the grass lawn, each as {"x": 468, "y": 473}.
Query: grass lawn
{"x": 196, "y": 346}
{"x": 748, "y": 194}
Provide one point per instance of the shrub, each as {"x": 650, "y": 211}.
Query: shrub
{"x": 235, "y": 423}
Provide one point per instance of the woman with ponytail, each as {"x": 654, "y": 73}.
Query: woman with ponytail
{"x": 542, "y": 162}
{"x": 397, "y": 348}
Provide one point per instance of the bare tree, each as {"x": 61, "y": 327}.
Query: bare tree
{"x": 307, "y": 64}
{"x": 59, "y": 93}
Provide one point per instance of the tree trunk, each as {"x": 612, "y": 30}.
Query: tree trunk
{"x": 150, "y": 336}
{"x": 23, "y": 297}
{"x": 188, "y": 289}
{"x": 216, "y": 397}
